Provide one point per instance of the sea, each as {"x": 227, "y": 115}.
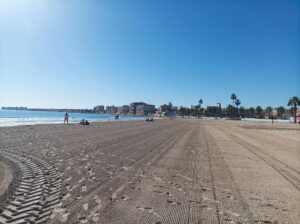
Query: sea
{"x": 25, "y": 117}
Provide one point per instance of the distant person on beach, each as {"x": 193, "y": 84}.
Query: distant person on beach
{"x": 66, "y": 118}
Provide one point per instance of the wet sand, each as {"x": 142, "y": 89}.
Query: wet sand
{"x": 168, "y": 171}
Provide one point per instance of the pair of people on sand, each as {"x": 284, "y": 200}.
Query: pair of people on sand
{"x": 84, "y": 122}
{"x": 66, "y": 120}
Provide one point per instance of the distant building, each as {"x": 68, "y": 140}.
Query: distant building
{"x": 99, "y": 109}
{"x": 132, "y": 107}
{"x": 167, "y": 110}
{"x": 141, "y": 108}
{"x": 111, "y": 109}
{"x": 123, "y": 109}
{"x": 145, "y": 109}
{"x": 274, "y": 112}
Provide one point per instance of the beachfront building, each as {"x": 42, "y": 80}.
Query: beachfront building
{"x": 141, "y": 108}
{"x": 132, "y": 107}
{"x": 145, "y": 109}
{"x": 111, "y": 109}
{"x": 123, "y": 109}
{"x": 167, "y": 110}
{"x": 99, "y": 109}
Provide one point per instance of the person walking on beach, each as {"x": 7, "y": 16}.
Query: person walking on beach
{"x": 66, "y": 118}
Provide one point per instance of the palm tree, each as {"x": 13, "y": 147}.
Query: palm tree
{"x": 237, "y": 103}
{"x": 294, "y": 102}
{"x": 200, "y": 103}
{"x": 233, "y": 97}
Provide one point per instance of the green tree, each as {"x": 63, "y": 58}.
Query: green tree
{"x": 258, "y": 111}
{"x": 199, "y": 108}
{"x": 230, "y": 111}
{"x": 294, "y": 102}
{"x": 237, "y": 103}
{"x": 193, "y": 111}
{"x": 200, "y": 102}
{"x": 233, "y": 98}
{"x": 182, "y": 111}
{"x": 242, "y": 111}
{"x": 280, "y": 111}
{"x": 269, "y": 111}
{"x": 251, "y": 112}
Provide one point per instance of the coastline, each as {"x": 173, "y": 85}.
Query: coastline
{"x": 19, "y": 118}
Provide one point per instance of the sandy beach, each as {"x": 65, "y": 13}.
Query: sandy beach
{"x": 167, "y": 171}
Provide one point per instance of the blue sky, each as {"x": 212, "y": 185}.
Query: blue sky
{"x": 82, "y": 53}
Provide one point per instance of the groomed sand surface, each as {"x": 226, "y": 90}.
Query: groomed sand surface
{"x": 5, "y": 177}
{"x": 168, "y": 171}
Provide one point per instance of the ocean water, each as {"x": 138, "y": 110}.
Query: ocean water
{"x": 23, "y": 117}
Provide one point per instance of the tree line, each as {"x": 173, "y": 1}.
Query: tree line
{"x": 235, "y": 110}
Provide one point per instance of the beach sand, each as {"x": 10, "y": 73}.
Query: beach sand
{"x": 5, "y": 177}
{"x": 166, "y": 171}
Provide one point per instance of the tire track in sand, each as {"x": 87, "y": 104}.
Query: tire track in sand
{"x": 36, "y": 195}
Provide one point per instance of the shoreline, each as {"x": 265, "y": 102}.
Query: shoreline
{"x": 140, "y": 118}
{"x": 70, "y": 122}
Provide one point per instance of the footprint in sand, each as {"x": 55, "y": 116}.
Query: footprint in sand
{"x": 93, "y": 178}
{"x": 140, "y": 208}
{"x": 83, "y": 188}
{"x": 66, "y": 196}
{"x": 83, "y": 219}
{"x": 78, "y": 197}
{"x": 124, "y": 198}
{"x": 85, "y": 206}
{"x": 68, "y": 179}
{"x": 96, "y": 217}
{"x": 57, "y": 212}
{"x": 68, "y": 187}
{"x": 136, "y": 188}
{"x": 81, "y": 180}
{"x": 94, "y": 214}
{"x": 173, "y": 202}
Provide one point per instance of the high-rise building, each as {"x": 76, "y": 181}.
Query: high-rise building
{"x": 111, "y": 109}
{"x": 132, "y": 108}
{"x": 145, "y": 109}
{"x": 99, "y": 109}
{"x": 123, "y": 109}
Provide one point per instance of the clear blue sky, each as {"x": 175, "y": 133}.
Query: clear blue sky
{"x": 82, "y": 53}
